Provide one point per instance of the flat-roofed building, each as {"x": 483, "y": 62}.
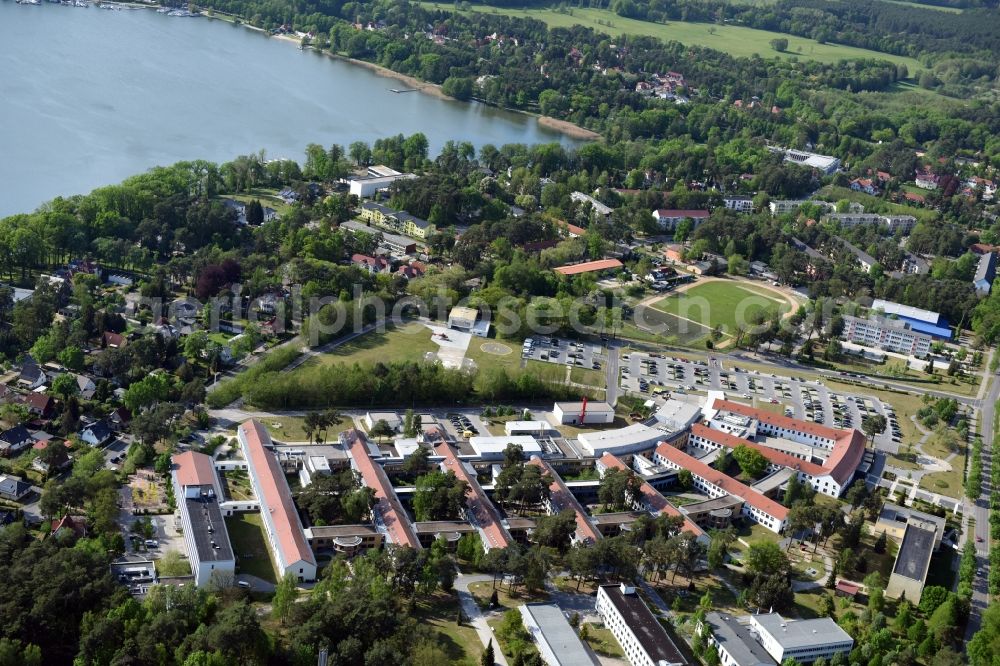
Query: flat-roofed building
{"x": 346, "y": 539}
{"x": 804, "y": 640}
{"x": 734, "y": 642}
{"x": 642, "y": 637}
{"x": 535, "y": 428}
{"x": 492, "y": 447}
{"x": 894, "y": 518}
{"x": 468, "y": 319}
{"x": 893, "y": 335}
{"x": 372, "y": 185}
{"x": 557, "y": 642}
{"x": 197, "y": 493}
{"x": 282, "y": 526}
{"x": 909, "y": 572}
{"x": 583, "y": 413}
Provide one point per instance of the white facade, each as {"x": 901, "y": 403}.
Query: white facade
{"x": 367, "y": 187}
{"x": 635, "y": 628}
{"x": 575, "y": 414}
{"x": 888, "y": 334}
{"x": 741, "y": 204}
{"x": 804, "y": 640}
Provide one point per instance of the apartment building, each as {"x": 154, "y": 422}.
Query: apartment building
{"x": 642, "y": 637}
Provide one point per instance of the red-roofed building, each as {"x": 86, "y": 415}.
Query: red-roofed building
{"x": 370, "y": 264}
{"x": 479, "y": 510}
{"x": 390, "y": 517}
{"x": 914, "y": 198}
{"x": 757, "y": 507}
{"x": 652, "y": 500}
{"x": 282, "y": 526}
{"x": 846, "y": 447}
{"x": 561, "y": 498}
{"x": 598, "y": 266}
{"x": 572, "y": 230}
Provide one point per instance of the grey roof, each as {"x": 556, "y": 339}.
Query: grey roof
{"x": 915, "y": 553}
{"x": 552, "y": 630}
{"x": 795, "y": 634}
{"x": 861, "y": 255}
{"x": 100, "y": 429}
{"x": 799, "y": 245}
{"x": 15, "y": 435}
{"x": 388, "y": 238}
{"x": 209, "y": 529}
{"x": 987, "y": 268}
{"x": 12, "y": 486}
{"x": 652, "y": 637}
{"x": 737, "y": 640}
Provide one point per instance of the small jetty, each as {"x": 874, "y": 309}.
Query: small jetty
{"x": 403, "y": 90}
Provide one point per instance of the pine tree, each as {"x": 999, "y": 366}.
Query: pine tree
{"x": 488, "y": 658}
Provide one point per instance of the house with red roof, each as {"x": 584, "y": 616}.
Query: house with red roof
{"x": 561, "y": 498}
{"x": 479, "y": 509}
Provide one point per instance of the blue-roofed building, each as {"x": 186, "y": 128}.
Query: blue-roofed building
{"x": 919, "y": 320}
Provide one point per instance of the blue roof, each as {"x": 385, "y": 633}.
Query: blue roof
{"x": 942, "y": 330}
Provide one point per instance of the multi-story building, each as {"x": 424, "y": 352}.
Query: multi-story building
{"x": 986, "y": 271}
{"x": 887, "y": 334}
{"x": 804, "y": 640}
{"x": 669, "y": 219}
{"x": 197, "y": 492}
{"x": 397, "y": 221}
{"x": 642, "y": 637}
{"x": 913, "y": 561}
{"x": 741, "y": 203}
{"x": 282, "y": 526}
{"x": 597, "y": 209}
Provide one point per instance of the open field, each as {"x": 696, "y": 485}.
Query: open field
{"x": 734, "y": 40}
{"x": 917, "y": 5}
{"x": 720, "y": 303}
{"x": 246, "y": 532}
{"x": 292, "y": 428}
{"x": 268, "y": 197}
{"x": 409, "y": 342}
{"x": 951, "y": 483}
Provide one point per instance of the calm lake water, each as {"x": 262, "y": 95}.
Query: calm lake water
{"x": 89, "y": 97}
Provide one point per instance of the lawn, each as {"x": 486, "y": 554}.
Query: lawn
{"x": 736, "y": 40}
{"x": 459, "y": 642}
{"x": 291, "y": 428}
{"x": 595, "y": 378}
{"x": 719, "y": 303}
{"x": 482, "y": 592}
{"x": 267, "y": 197}
{"x": 951, "y": 483}
{"x": 602, "y": 641}
{"x": 246, "y": 532}
{"x": 409, "y": 342}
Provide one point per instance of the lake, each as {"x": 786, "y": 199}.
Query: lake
{"x": 89, "y": 97}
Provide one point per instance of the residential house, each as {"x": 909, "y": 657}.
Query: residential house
{"x": 668, "y": 219}
{"x": 40, "y": 405}
{"x": 113, "y": 340}
{"x": 86, "y": 386}
{"x": 371, "y": 264}
{"x": 98, "y": 433}
{"x": 75, "y": 524}
{"x": 15, "y": 440}
{"x": 926, "y": 180}
{"x": 866, "y": 260}
{"x": 120, "y": 418}
{"x": 59, "y": 459}
{"x": 866, "y": 185}
{"x": 13, "y": 488}
{"x": 32, "y": 376}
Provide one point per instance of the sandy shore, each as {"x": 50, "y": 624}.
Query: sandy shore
{"x": 569, "y": 129}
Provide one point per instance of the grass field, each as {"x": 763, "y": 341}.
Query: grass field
{"x": 267, "y": 197}
{"x": 460, "y": 642}
{"x": 246, "y": 532}
{"x": 291, "y": 428}
{"x": 735, "y": 40}
{"x": 409, "y": 342}
{"x": 917, "y": 5}
{"x": 875, "y": 204}
{"x": 719, "y": 304}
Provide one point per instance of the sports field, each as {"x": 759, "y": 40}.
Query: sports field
{"x": 734, "y": 40}
{"x": 721, "y": 303}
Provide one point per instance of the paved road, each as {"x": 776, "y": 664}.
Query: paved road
{"x": 611, "y": 368}
{"x": 981, "y": 513}
{"x": 474, "y": 615}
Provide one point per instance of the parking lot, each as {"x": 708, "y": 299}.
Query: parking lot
{"x": 565, "y": 352}
{"x": 804, "y": 399}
